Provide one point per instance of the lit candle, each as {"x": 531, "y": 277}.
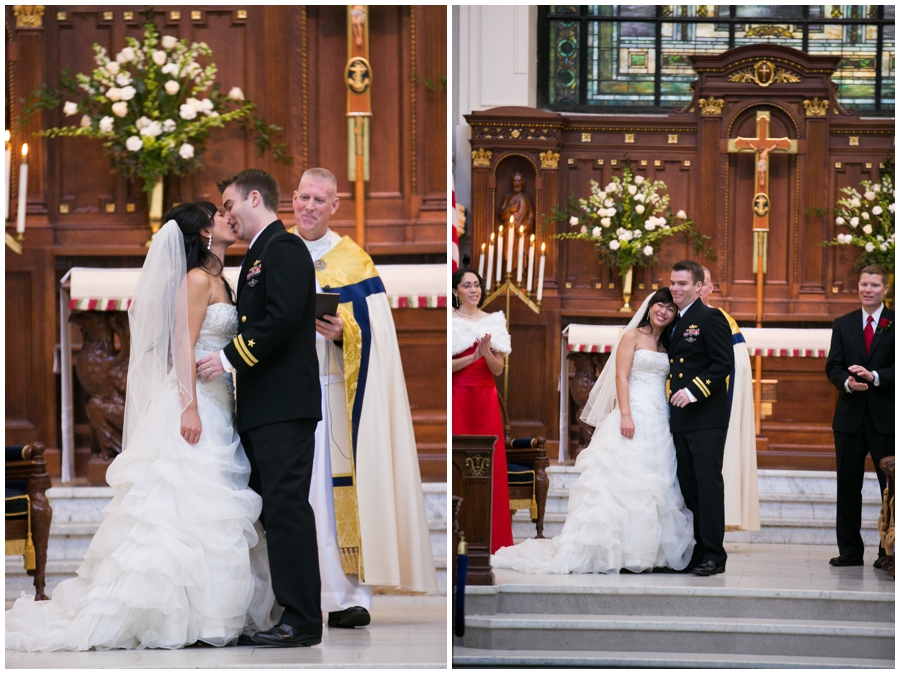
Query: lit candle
{"x": 481, "y": 262}
{"x": 490, "y": 263}
{"x": 8, "y": 173}
{"x": 500, "y": 255}
{"x": 23, "y": 190}
{"x": 521, "y": 254}
{"x": 511, "y": 232}
{"x": 531, "y": 264}
{"x": 540, "y": 288}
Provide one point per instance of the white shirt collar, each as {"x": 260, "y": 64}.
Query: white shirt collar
{"x": 682, "y": 312}
{"x": 253, "y": 240}
{"x": 321, "y": 246}
{"x": 875, "y": 316}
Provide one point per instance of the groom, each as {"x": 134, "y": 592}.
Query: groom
{"x": 278, "y": 396}
{"x": 700, "y": 359}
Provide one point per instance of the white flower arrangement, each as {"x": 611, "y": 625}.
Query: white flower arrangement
{"x": 868, "y": 212}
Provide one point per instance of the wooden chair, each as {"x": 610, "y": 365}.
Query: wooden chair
{"x": 527, "y": 463}
{"x": 28, "y": 512}
{"x": 886, "y": 518}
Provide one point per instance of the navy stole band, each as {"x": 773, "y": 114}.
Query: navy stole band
{"x": 357, "y": 294}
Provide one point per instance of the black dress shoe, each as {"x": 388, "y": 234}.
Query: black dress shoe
{"x": 284, "y": 636}
{"x": 878, "y": 562}
{"x": 355, "y": 616}
{"x": 846, "y": 560}
{"x": 708, "y": 569}
{"x": 245, "y": 640}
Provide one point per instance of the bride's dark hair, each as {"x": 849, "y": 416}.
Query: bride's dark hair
{"x": 191, "y": 218}
{"x": 661, "y": 296}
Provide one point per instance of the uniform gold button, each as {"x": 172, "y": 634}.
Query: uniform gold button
{"x": 670, "y": 376}
{"x": 680, "y": 375}
{"x": 671, "y": 361}
{"x": 243, "y": 319}
{"x": 681, "y": 360}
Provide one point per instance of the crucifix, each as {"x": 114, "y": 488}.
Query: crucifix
{"x": 762, "y": 145}
{"x": 358, "y": 78}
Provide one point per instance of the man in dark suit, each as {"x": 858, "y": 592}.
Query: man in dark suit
{"x": 861, "y": 367}
{"x": 278, "y": 396}
{"x": 701, "y": 357}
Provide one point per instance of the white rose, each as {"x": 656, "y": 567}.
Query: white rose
{"x": 632, "y": 189}
{"x": 112, "y": 67}
{"x": 168, "y": 41}
{"x": 606, "y": 222}
{"x": 854, "y": 202}
{"x": 854, "y": 222}
{"x": 626, "y": 236}
{"x": 891, "y": 208}
{"x": 844, "y": 238}
{"x": 864, "y": 215}
{"x": 186, "y": 151}
{"x": 125, "y": 55}
{"x": 236, "y": 94}
{"x": 584, "y": 229}
{"x": 170, "y": 69}
{"x": 106, "y": 124}
{"x": 639, "y": 209}
{"x": 877, "y": 210}
{"x": 195, "y": 103}
{"x": 159, "y": 57}
{"x": 573, "y": 221}
{"x": 120, "y": 109}
{"x": 214, "y": 114}
{"x": 870, "y": 196}
{"x": 880, "y": 238}
{"x": 650, "y": 225}
{"x": 639, "y": 197}
{"x": 870, "y": 247}
{"x": 614, "y": 245}
{"x": 172, "y": 87}
{"x": 662, "y": 222}
{"x": 681, "y": 215}
{"x": 206, "y": 105}
{"x": 123, "y": 79}
{"x": 620, "y": 231}
{"x": 187, "y": 112}
{"x": 134, "y": 143}
{"x": 867, "y": 229}
{"x": 601, "y": 196}
{"x": 152, "y": 129}
{"x": 85, "y": 121}
{"x": 127, "y": 93}
{"x": 636, "y": 234}
{"x": 638, "y": 180}
{"x": 608, "y": 203}
{"x": 876, "y": 188}
{"x": 883, "y": 246}
{"x": 648, "y": 250}
{"x": 70, "y": 108}
{"x": 141, "y": 122}
{"x": 114, "y": 94}
{"x": 169, "y": 125}
{"x": 839, "y": 220}
{"x": 596, "y": 232}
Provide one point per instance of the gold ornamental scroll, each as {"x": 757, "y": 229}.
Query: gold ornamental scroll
{"x": 762, "y": 145}
{"x": 358, "y": 78}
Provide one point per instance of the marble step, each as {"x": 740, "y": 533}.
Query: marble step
{"x": 673, "y": 601}
{"x": 476, "y": 657}
{"x": 763, "y": 636}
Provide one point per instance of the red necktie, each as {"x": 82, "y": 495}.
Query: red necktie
{"x": 869, "y": 333}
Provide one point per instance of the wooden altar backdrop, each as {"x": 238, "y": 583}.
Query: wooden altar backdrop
{"x": 807, "y": 285}
{"x": 289, "y": 61}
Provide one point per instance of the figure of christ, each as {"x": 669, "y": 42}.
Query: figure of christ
{"x": 517, "y": 204}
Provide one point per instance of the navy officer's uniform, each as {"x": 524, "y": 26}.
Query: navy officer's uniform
{"x": 278, "y": 408}
{"x": 701, "y": 357}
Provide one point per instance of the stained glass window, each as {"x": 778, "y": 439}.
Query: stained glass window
{"x": 633, "y": 57}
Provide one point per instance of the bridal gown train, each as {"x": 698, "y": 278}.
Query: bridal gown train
{"x": 178, "y": 557}
{"x": 626, "y": 510}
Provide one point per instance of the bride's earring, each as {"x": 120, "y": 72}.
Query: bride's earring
{"x": 455, "y": 301}
{"x": 209, "y": 245}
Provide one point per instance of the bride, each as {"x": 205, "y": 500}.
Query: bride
{"x": 626, "y": 510}
{"x": 178, "y": 557}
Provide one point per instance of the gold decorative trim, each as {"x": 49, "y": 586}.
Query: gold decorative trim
{"x": 815, "y": 107}
{"x": 868, "y": 165}
{"x": 515, "y": 133}
{"x": 304, "y": 78}
{"x": 761, "y": 204}
{"x": 657, "y": 163}
{"x": 586, "y": 137}
{"x": 196, "y": 15}
{"x": 769, "y": 31}
{"x": 711, "y": 106}
{"x": 109, "y": 208}
{"x": 613, "y": 162}
{"x": 792, "y": 64}
{"x": 686, "y": 163}
{"x": 29, "y": 16}
{"x": 174, "y": 15}
{"x": 764, "y": 73}
{"x": 128, "y": 16}
{"x": 673, "y": 139}
{"x": 571, "y": 161}
{"x": 837, "y": 164}
{"x": 481, "y": 157}
{"x": 61, "y": 16}
{"x": 107, "y": 16}
{"x": 549, "y": 159}
{"x": 629, "y": 137}
{"x": 478, "y": 465}
{"x": 643, "y": 162}
{"x": 130, "y": 207}
{"x": 600, "y": 162}
{"x": 242, "y": 14}
{"x": 854, "y": 140}
{"x": 414, "y": 159}
{"x": 64, "y": 208}
{"x": 631, "y": 129}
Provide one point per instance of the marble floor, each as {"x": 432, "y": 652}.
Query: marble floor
{"x": 750, "y": 565}
{"x": 406, "y": 633}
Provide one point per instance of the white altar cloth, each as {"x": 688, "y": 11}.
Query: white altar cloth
{"x": 407, "y": 286}
{"x": 769, "y": 342}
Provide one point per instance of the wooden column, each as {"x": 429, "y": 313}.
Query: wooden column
{"x": 472, "y": 457}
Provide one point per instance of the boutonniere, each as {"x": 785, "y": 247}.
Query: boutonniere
{"x": 883, "y": 325}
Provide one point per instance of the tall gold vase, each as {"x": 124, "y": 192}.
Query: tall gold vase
{"x": 156, "y": 207}
{"x": 626, "y": 289}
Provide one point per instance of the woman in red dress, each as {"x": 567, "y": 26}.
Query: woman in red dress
{"x": 480, "y": 341}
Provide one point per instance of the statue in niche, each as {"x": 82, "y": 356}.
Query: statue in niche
{"x": 517, "y": 205}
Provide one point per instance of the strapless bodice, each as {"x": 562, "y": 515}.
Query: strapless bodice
{"x": 219, "y": 327}
{"x": 647, "y": 382}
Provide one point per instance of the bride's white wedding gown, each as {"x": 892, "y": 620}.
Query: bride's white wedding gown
{"x": 178, "y": 557}
{"x": 626, "y": 510}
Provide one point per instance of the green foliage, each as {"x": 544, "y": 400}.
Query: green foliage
{"x": 868, "y": 214}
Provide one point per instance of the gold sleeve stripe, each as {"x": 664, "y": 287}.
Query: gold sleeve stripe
{"x": 701, "y": 386}
{"x": 243, "y": 351}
